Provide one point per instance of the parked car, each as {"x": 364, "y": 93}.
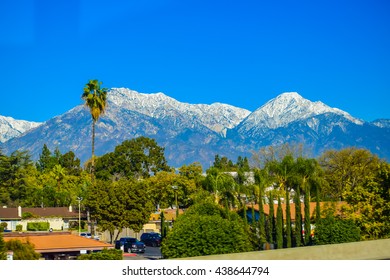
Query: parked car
{"x": 151, "y": 239}
{"x": 86, "y": 234}
{"x": 130, "y": 245}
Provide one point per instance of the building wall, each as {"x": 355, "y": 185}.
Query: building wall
{"x": 55, "y": 223}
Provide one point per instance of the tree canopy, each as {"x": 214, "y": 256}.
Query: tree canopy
{"x": 136, "y": 158}
{"x": 205, "y": 229}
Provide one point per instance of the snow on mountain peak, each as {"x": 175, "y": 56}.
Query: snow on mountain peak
{"x": 287, "y": 108}
{"x": 10, "y": 128}
{"x": 217, "y": 116}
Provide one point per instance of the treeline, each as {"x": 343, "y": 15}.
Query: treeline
{"x": 134, "y": 180}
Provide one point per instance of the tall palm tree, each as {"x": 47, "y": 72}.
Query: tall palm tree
{"x": 95, "y": 99}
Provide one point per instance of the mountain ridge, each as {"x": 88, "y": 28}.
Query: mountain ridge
{"x": 197, "y": 132}
{"x": 11, "y": 128}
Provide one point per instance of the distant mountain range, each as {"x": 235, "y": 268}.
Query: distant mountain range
{"x": 197, "y": 132}
{"x": 11, "y": 128}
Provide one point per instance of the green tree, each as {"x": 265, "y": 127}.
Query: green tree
{"x": 14, "y": 177}
{"x": 333, "y": 230}
{"x": 46, "y": 160}
{"x": 223, "y": 187}
{"x": 71, "y": 163}
{"x": 162, "y": 194}
{"x": 205, "y": 229}
{"x": 136, "y": 158}
{"x": 95, "y": 99}
{"x": 120, "y": 204}
{"x": 261, "y": 183}
{"x": 279, "y": 225}
{"x": 362, "y": 180}
{"x": 271, "y": 219}
{"x": 22, "y": 250}
{"x": 298, "y": 218}
{"x": 3, "y": 248}
{"x": 58, "y": 173}
{"x": 284, "y": 174}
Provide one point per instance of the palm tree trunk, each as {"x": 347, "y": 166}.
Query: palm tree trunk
{"x": 93, "y": 151}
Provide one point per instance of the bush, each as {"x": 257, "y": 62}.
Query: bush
{"x": 3, "y": 248}
{"x": 3, "y": 225}
{"x": 28, "y": 215}
{"x": 204, "y": 230}
{"x": 38, "y": 226}
{"x": 19, "y": 228}
{"x": 22, "y": 251}
{"x": 105, "y": 254}
{"x": 334, "y": 230}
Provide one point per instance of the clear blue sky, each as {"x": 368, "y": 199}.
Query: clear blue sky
{"x": 199, "y": 51}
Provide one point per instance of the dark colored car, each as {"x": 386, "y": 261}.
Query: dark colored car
{"x": 151, "y": 239}
{"x": 130, "y": 245}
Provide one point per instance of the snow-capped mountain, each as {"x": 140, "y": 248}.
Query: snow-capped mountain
{"x": 217, "y": 116}
{"x": 284, "y": 110}
{"x": 197, "y": 132}
{"x": 381, "y": 123}
{"x": 11, "y": 128}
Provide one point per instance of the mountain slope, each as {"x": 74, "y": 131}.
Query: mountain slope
{"x": 10, "y": 128}
{"x": 217, "y": 116}
{"x": 284, "y": 110}
{"x": 197, "y": 132}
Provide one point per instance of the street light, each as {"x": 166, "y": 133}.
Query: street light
{"x": 79, "y": 199}
{"x": 177, "y": 206}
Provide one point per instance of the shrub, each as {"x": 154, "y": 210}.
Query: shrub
{"x": 3, "y": 248}
{"x": 334, "y": 230}
{"x": 38, "y": 226}
{"x": 22, "y": 251}
{"x": 204, "y": 230}
{"x": 3, "y": 226}
{"x": 19, "y": 227}
{"x": 105, "y": 254}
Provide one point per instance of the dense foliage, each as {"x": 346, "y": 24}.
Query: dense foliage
{"x": 134, "y": 180}
{"x": 3, "y": 248}
{"x": 206, "y": 229}
{"x": 22, "y": 250}
{"x": 105, "y": 254}
{"x": 333, "y": 230}
{"x": 119, "y": 204}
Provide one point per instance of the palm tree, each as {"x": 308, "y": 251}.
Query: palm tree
{"x": 95, "y": 99}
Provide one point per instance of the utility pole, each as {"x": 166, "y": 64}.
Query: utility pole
{"x": 79, "y": 199}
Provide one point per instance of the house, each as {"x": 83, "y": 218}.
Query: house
{"x": 59, "y": 245}
{"x": 59, "y": 218}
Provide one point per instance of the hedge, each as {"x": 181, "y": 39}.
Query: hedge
{"x": 38, "y": 226}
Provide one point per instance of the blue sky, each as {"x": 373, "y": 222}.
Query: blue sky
{"x": 238, "y": 52}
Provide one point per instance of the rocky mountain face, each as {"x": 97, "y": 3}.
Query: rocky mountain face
{"x": 197, "y": 132}
{"x": 11, "y": 128}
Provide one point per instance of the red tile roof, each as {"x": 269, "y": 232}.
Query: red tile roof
{"x": 59, "y": 242}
